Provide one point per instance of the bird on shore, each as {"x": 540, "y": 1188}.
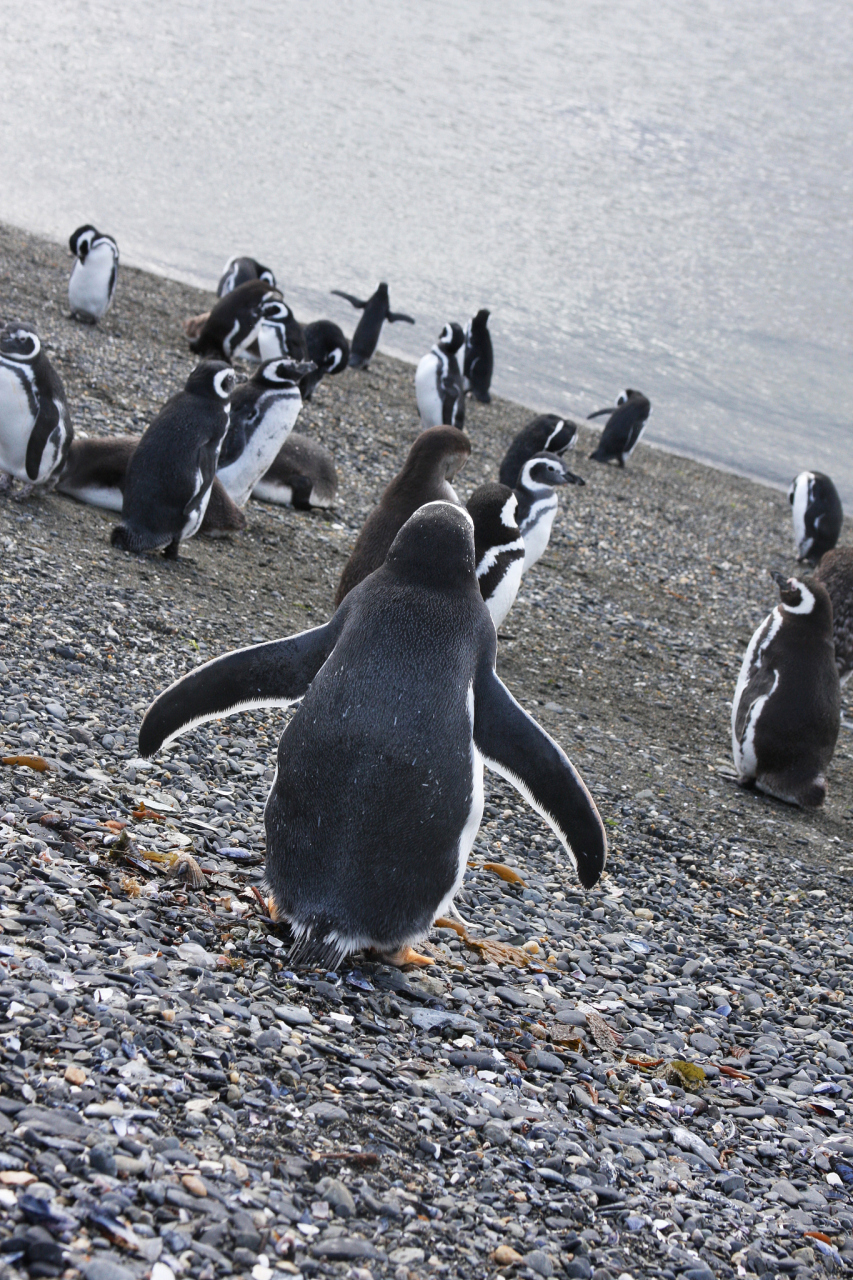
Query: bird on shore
{"x": 93, "y": 277}
{"x": 624, "y": 427}
{"x": 378, "y": 793}
{"x": 263, "y": 412}
{"x": 278, "y": 334}
{"x": 233, "y": 323}
{"x": 498, "y": 547}
{"x": 366, "y": 337}
{"x": 35, "y": 426}
{"x": 438, "y": 382}
{"x": 329, "y": 349}
{"x": 239, "y": 271}
{"x": 816, "y": 513}
{"x": 537, "y": 502}
{"x": 302, "y": 474}
{"x": 835, "y": 573}
{"x": 479, "y": 360}
{"x": 546, "y": 433}
{"x": 786, "y": 710}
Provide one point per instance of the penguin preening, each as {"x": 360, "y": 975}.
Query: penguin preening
{"x": 239, "y": 271}
{"x": 302, "y": 474}
{"x": 817, "y": 515}
{"x": 786, "y": 710}
{"x": 329, "y": 350}
{"x": 479, "y": 360}
{"x": 35, "y": 426}
{"x": 438, "y": 382}
{"x": 835, "y": 573}
{"x": 368, "y": 830}
{"x": 434, "y": 459}
{"x": 278, "y": 334}
{"x": 233, "y": 323}
{"x": 624, "y": 427}
{"x": 537, "y": 502}
{"x": 93, "y": 277}
{"x": 547, "y": 433}
{"x": 263, "y": 412}
{"x": 498, "y": 547}
{"x": 366, "y": 337}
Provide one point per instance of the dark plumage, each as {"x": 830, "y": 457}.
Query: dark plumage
{"x": 547, "y": 433}
{"x": 329, "y": 350}
{"x": 234, "y": 321}
{"x": 303, "y": 474}
{"x": 627, "y": 422}
{"x": 479, "y": 361}
{"x": 835, "y": 573}
{"x": 239, "y": 271}
{"x": 366, "y": 337}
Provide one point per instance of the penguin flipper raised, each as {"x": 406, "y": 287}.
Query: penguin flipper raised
{"x": 45, "y": 424}
{"x": 355, "y": 301}
{"x": 515, "y": 746}
{"x": 394, "y": 316}
{"x": 274, "y": 674}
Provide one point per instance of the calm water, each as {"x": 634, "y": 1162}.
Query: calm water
{"x": 651, "y": 195}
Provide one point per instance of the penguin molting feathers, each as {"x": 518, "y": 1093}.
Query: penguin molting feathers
{"x": 817, "y": 515}
{"x": 835, "y": 572}
{"x": 624, "y": 427}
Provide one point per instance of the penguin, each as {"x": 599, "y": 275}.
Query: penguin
{"x": 378, "y": 793}
{"x": 303, "y": 474}
{"x": 93, "y": 276}
{"x": 278, "y": 334}
{"x": 263, "y": 412}
{"x": 817, "y": 515}
{"x": 366, "y": 337}
{"x": 786, "y": 710}
{"x": 479, "y": 360}
{"x": 167, "y": 486}
{"x": 438, "y": 382}
{"x": 537, "y": 502}
{"x": 545, "y": 434}
{"x": 835, "y": 572}
{"x": 434, "y": 459}
{"x": 233, "y": 323}
{"x": 624, "y": 427}
{"x": 239, "y": 271}
{"x": 35, "y": 426}
{"x": 498, "y": 547}
{"x": 328, "y": 348}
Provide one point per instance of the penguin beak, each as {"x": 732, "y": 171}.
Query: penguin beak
{"x": 780, "y": 579}
{"x": 599, "y": 412}
{"x": 571, "y": 478}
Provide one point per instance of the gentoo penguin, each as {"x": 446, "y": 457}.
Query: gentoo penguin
{"x": 93, "y": 276}
{"x": 817, "y": 514}
{"x": 303, "y": 474}
{"x": 433, "y": 461}
{"x": 367, "y": 331}
{"x": 239, "y": 271}
{"x": 35, "y": 427}
{"x": 479, "y": 361}
{"x": 278, "y": 334}
{"x": 835, "y": 572}
{"x": 786, "y": 710}
{"x": 622, "y": 431}
{"x": 167, "y": 486}
{"x": 547, "y": 433}
{"x": 378, "y": 793}
{"x": 263, "y": 413}
{"x": 498, "y": 547}
{"x": 537, "y": 502}
{"x": 438, "y": 382}
{"x": 233, "y": 323}
{"x": 329, "y": 350}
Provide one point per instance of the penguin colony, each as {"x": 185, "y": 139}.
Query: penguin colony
{"x": 427, "y": 576}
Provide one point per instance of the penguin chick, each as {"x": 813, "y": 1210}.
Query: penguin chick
{"x": 498, "y": 547}
{"x": 624, "y": 427}
{"x": 303, "y": 474}
{"x": 366, "y": 337}
{"x": 537, "y": 502}
{"x": 438, "y": 382}
{"x": 479, "y": 360}
{"x": 835, "y": 572}
{"x": 93, "y": 277}
{"x": 35, "y": 426}
{"x": 545, "y": 434}
{"x": 817, "y": 515}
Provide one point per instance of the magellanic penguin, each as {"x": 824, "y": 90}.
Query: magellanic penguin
{"x": 498, "y": 547}
{"x": 835, "y": 572}
{"x": 35, "y": 427}
{"x": 817, "y": 515}
{"x": 279, "y": 334}
{"x": 303, "y": 474}
{"x": 546, "y": 434}
{"x": 479, "y": 361}
{"x": 233, "y": 323}
{"x": 434, "y": 459}
{"x": 378, "y": 793}
{"x": 239, "y": 271}
{"x": 366, "y": 337}
{"x": 438, "y": 382}
{"x": 263, "y": 413}
{"x": 93, "y": 276}
{"x": 329, "y": 350}
{"x": 167, "y": 486}
{"x": 624, "y": 427}
{"x": 786, "y": 711}
{"x": 537, "y": 502}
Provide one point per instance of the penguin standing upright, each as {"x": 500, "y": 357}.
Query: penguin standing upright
{"x": 786, "y": 710}
{"x": 35, "y": 427}
{"x": 239, "y": 271}
{"x": 545, "y": 434}
{"x": 233, "y": 323}
{"x": 378, "y": 793}
{"x": 624, "y": 427}
{"x": 93, "y": 276}
{"x": 479, "y": 362}
{"x": 434, "y": 459}
{"x": 835, "y": 572}
{"x": 329, "y": 350}
{"x": 263, "y": 412}
{"x": 498, "y": 547}
{"x": 366, "y": 337}
{"x": 167, "y": 486}
{"x": 438, "y": 382}
{"x": 537, "y": 502}
{"x": 302, "y": 473}
{"x": 817, "y": 515}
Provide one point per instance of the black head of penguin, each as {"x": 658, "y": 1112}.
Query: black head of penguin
{"x": 212, "y": 380}
{"x": 80, "y": 241}
{"x": 451, "y": 338}
{"x": 545, "y": 433}
{"x": 327, "y": 346}
{"x": 480, "y": 320}
{"x": 546, "y": 469}
{"x": 809, "y": 601}
{"x": 435, "y": 550}
{"x": 19, "y": 342}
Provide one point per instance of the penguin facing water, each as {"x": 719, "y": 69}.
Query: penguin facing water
{"x": 35, "y": 426}
{"x": 93, "y": 277}
{"x": 438, "y": 382}
{"x": 366, "y": 337}
{"x": 624, "y": 427}
{"x": 479, "y": 361}
{"x": 817, "y": 515}
{"x": 545, "y": 434}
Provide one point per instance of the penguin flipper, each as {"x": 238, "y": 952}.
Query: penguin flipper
{"x": 515, "y": 746}
{"x": 355, "y": 301}
{"x": 274, "y": 674}
{"x": 46, "y": 422}
{"x": 394, "y": 316}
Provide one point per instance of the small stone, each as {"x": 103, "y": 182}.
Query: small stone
{"x": 540, "y": 1060}
{"x": 786, "y": 1191}
{"x": 194, "y": 1184}
{"x": 292, "y": 1016}
{"x": 346, "y": 1247}
{"x": 505, "y": 1256}
{"x": 107, "y": 1269}
{"x": 326, "y": 1112}
{"x": 540, "y": 1262}
{"x": 269, "y": 1039}
{"x": 751, "y": 1001}
{"x": 704, "y": 1043}
{"x": 235, "y": 1166}
{"x": 337, "y": 1195}
{"x": 496, "y": 1132}
{"x": 103, "y": 1160}
{"x": 406, "y": 1256}
{"x": 75, "y": 1075}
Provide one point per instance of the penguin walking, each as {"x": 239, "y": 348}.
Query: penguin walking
{"x": 433, "y": 461}
{"x": 303, "y": 474}
{"x": 817, "y": 514}
{"x": 263, "y": 412}
{"x": 479, "y": 361}
{"x": 329, "y": 350}
{"x": 624, "y": 427}
{"x": 786, "y": 710}
{"x": 35, "y": 426}
{"x": 835, "y": 572}
{"x": 93, "y": 276}
{"x": 168, "y": 480}
{"x": 438, "y": 382}
{"x": 545, "y": 434}
{"x": 498, "y": 547}
{"x": 233, "y": 324}
{"x": 537, "y": 502}
{"x": 239, "y": 271}
{"x": 378, "y": 794}
{"x": 366, "y": 337}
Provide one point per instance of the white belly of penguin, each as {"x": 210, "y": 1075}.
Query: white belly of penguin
{"x": 632, "y": 446}
{"x": 271, "y": 341}
{"x": 242, "y": 475}
{"x": 89, "y": 286}
{"x": 503, "y": 599}
{"x": 537, "y": 529}
{"x": 270, "y": 491}
{"x": 96, "y": 495}
{"x": 197, "y": 514}
{"x": 16, "y": 425}
{"x": 802, "y": 543}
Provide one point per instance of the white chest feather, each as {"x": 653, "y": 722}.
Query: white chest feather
{"x": 262, "y": 446}
{"x": 503, "y": 598}
{"x": 90, "y": 286}
{"x": 536, "y": 529}
{"x": 16, "y": 422}
{"x": 427, "y": 384}
{"x": 802, "y": 542}
{"x": 743, "y": 743}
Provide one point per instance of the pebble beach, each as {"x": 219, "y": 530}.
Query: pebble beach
{"x": 650, "y": 1079}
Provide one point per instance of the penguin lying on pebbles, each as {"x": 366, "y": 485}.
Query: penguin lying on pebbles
{"x": 168, "y": 481}
{"x": 366, "y": 337}
{"x": 239, "y": 271}
{"x": 547, "y": 433}
{"x": 438, "y": 382}
{"x": 817, "y": 515}
{"x": 233, "y": 323}
{"x": 369, "y": 826}
{"x": 329, "y": 350}
{"x": 835, "y": 572}
{"x": 624, "y": 427}
{"x": 537, "y": 502}
{"x": 35, "y": 427}
{"x": 93, "y": 277}
{"x": 263, "y": 413}
{"x": 303, "y": 474}
{"x": 434, "y": 459}
{"x": 479, "y": 361}
{"x": 786, "y": 711}
{"x": 498, "y": 547}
